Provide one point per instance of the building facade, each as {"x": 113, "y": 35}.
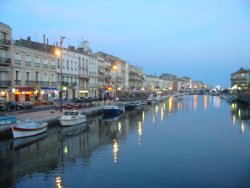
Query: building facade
{"x": 6, "y": 73}
{"x": 240, "y": 79}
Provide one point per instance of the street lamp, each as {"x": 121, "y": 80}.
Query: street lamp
{"x": 59, "y": 53}
{"x": 115, "y": 71}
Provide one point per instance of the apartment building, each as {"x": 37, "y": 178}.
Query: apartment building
{"x": 135, "y": 77}
{"x": 5, "y": 61}
{"x": 35, "y": 75}
{"x": 240, "y": 79}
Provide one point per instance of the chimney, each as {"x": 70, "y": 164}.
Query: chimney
{"x": 47, "y": 41}
{"x": 43, "y": 39}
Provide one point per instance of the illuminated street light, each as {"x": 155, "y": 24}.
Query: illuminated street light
{"x": 58, "y": 53}
{"x": 114, "y": 67}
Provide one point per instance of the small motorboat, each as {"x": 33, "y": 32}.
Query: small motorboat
{"x": 113, "y": 110}
{"x": 72, "y": 117}
{"x": 28, "y": 128}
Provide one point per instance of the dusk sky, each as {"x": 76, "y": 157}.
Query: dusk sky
{"x": 206, "y": 40}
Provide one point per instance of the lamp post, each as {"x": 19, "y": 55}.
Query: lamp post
{"x": 115, "y": 71}
{"x": 59, "y": 53}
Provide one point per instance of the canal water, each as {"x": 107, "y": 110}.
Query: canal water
{"x": 200, "y": 141}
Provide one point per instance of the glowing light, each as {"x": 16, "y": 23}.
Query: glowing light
{"x": 195, "y": 104}
{"x": 58, "y": 52}
{"x": 239, "y": 113}
{"x": 242, "y": 127}
{"x": 58, "y": 182}
{"x": 170, "y": 104}
{"x": 156, "y": 109}
{"x": 139, "y": 132}
{"x": 205, "y": 101}
{"x": 143, "y": 116}
{"x": 162, "y": 114}
{"x": 65, "y": 150}
{"x": 234, "y": 119}
{"x": 119, "y": 126}
{"x": 115, "y": 150}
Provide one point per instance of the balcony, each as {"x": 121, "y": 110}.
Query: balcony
{"x": 108, "y": 76}
{"x": 28, "y": 63}
{"x": 84, "y": 76}
{"x": 18, "y": 82}
{"x": 45, "y": 65}
{"x": 27, "y": 82}
{"x": 54, "y": 84}
{"x": 5, "y": 83}
{"x": 5, "y": 42}
{"x": 5, "y": 61}
{"x": 40, "y": 83}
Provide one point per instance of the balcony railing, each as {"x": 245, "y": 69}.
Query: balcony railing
{"x": 5, "y": 60}
{"x": 5, "y": 83}
{"x": 40, "y": 83}
{"x": 17, "y": 61}
{"x": 18, "y": 82}
{"x": 27, "y": 82}
{"x": 84, "y": 76}
{"x": 55, "y": 83}
{"x": 5, "y": 42}
{"x": 28, "y": 63}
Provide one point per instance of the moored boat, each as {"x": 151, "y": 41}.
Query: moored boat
{"x": 72, "y": 117}
{"x": 28, "y": 128}
{"x": 113, "y": 110}
{"x": 7, "y": 120}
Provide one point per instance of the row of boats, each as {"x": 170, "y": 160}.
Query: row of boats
{"x": 73, "y": 117}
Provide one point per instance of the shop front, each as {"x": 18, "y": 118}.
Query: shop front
{"x": 48, "y": 93}
{"x": 24, "y": 93}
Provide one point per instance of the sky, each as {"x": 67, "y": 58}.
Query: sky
{"x": 206, "y": 40}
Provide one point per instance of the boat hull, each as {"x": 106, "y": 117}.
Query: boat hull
{"x": 26, "y": 129}
{"x": 112, "y": 110}
{"x": 72, "y": 122}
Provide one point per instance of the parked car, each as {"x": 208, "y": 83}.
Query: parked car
{"x": 26, "y": 105}
{"x": 12, "y": 105}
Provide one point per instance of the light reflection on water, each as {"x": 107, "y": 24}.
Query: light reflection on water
{"x": 176, "y": 143}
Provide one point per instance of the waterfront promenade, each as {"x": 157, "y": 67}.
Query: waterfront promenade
{"x": 48, "y": 114}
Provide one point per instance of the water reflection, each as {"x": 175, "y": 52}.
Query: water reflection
{"x": 61, "y": 148}
{"x": 115, "y": 150}
{"x": 240, "y": 115}
{"x": 139, "y": 127}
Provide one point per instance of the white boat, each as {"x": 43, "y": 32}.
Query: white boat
{"x": 26, "y": 141}
{"x": 72, "y": 117}
{"x": 28, "y": 128}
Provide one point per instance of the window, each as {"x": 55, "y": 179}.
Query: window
{"x": 17, "y": 56}
{"x": 53, "y": 62}
{"x": 37, "y": 59}
{"x": 27, "y": 76}
{"x": 45, "y": 77}
{"x": 52, "y": 77}
{"x": 37, "y": 76}
{"x": 17, "y": 75}
{"x": 28, "y": 57}
{"x": 45, "y": 61}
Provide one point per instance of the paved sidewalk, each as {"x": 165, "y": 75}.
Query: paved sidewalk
{"x": 43, "y": 115}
